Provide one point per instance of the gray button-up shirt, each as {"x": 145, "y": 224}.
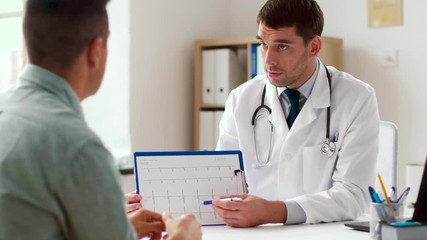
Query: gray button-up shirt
{"x": 57, "y": 180}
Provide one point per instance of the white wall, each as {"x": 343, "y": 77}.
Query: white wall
{"x": 400, "y": 90}
{"x": 162, "y": 39}
{"x": 107, "y": 113}
{"x": 162, "y": 43}
{"x": 243, "y": 17}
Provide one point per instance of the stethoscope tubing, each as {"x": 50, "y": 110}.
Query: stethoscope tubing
{"x": 328, "y": 147}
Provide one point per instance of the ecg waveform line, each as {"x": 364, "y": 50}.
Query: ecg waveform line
{"x": 181, "y": 189}
{"x": 186, "y": 168}
{"x": 187, "y": 179}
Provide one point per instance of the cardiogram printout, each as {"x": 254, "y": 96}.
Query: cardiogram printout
{"x": 177, "y": 182}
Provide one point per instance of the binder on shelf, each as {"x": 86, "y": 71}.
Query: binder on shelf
{"x": 228, "y": 74}
{"x": 208, "y": 76}
{"x": 253, "y": 60}
{"x": 220, "y": 74}
{"x": 209, "y": 129}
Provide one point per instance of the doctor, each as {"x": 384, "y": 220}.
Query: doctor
{"x": 308, "y": 133}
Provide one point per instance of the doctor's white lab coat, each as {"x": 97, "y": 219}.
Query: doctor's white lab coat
{"x": 327, "y": 188}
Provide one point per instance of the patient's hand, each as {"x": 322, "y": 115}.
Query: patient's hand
{"x": 185, "y": 227}
{"x": 147, "y": 224}
{"x": 133, "y": 201}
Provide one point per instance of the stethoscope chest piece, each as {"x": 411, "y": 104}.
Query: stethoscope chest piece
{"x": 328, "y": 148}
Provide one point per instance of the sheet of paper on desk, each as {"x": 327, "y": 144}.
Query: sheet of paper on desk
{"x": 177, "y": 182}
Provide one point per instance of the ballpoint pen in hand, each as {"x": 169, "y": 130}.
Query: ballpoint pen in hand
{"x": 233, "y": 199}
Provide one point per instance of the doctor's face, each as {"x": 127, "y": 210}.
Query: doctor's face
{"x": 288, "y": 61}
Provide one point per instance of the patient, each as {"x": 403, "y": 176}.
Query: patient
{"x": 57, "y": 179}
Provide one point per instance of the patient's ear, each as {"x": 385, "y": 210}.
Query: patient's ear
{"x": 94, "y": 53}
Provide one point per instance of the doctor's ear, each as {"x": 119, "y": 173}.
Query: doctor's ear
{"x": 315, "y": 45}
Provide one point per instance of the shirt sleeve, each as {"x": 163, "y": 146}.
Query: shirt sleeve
{"x": 295, "y": 213}
{"x": 92, "y": 198}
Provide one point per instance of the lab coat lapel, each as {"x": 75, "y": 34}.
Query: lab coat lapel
{"x": 278, "y": 117}
{"x": 319, "y": 99}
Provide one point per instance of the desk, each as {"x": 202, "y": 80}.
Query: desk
{"x": 322, "y": 231}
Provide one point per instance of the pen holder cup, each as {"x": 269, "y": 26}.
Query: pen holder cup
{"x": 384, "y": 212}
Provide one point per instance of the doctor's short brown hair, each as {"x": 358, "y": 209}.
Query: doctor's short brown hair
{"x": 305, "y": 15}
{"x": 57, "y": 31}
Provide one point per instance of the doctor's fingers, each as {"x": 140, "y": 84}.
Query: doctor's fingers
{"x": 242, "y": 195}
{"x": 226, "y": 213}
{"x": 229, "y": 205}
{"x": 236, "y": 219}
{"x": 240, "y": 219}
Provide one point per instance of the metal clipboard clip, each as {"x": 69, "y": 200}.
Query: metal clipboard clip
{"x": 242, "y": 179}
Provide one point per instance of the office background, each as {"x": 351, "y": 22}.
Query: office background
{"x": 146, "y": 100}
{"x": 161, "y": 65}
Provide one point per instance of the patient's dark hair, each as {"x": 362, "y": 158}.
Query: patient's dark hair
{"x": 305, "y": 15}
{"x": 57, "y": 31}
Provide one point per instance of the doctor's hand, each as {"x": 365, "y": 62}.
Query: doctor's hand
{"x": 250, "y": 212}
{"x": 185, "y": 227}
{"x": 133, "y": 201}
{"x": 147, "y": 224}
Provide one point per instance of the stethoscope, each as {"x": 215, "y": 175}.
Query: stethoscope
{"x": 327, "y": 148}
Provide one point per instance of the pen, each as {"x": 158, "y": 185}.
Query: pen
{"x": 233, "y": 199}
{"x": 371, "y": 193}
{"x": 403, "y": 195}
{"x": 376, "y": 197}
{"x": 335, "y": 137}
{"x": 392, "y": 194}
{"x": 387, "y": 199}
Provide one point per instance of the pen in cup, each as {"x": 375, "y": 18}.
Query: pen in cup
{"x": 371, "y": 193}
{"x": 403, "y": 195}
{"x": 233, "y": 199}
{"x": 392, "y": 194}
{"x": 374, "y": 195}
{"x": 387, "y": 199}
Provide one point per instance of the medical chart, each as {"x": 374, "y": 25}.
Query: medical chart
{"x": 177, "y": 182}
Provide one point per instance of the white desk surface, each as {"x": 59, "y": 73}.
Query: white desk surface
{"x": 321, "y": 231}
{"x": 326, "y": 231}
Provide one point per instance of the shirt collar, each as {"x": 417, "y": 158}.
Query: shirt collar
{"x": 35, "y": 76}
{"x": 307, "y": 87}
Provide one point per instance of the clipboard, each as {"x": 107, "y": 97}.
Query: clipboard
{"x": 177, "y": 182}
